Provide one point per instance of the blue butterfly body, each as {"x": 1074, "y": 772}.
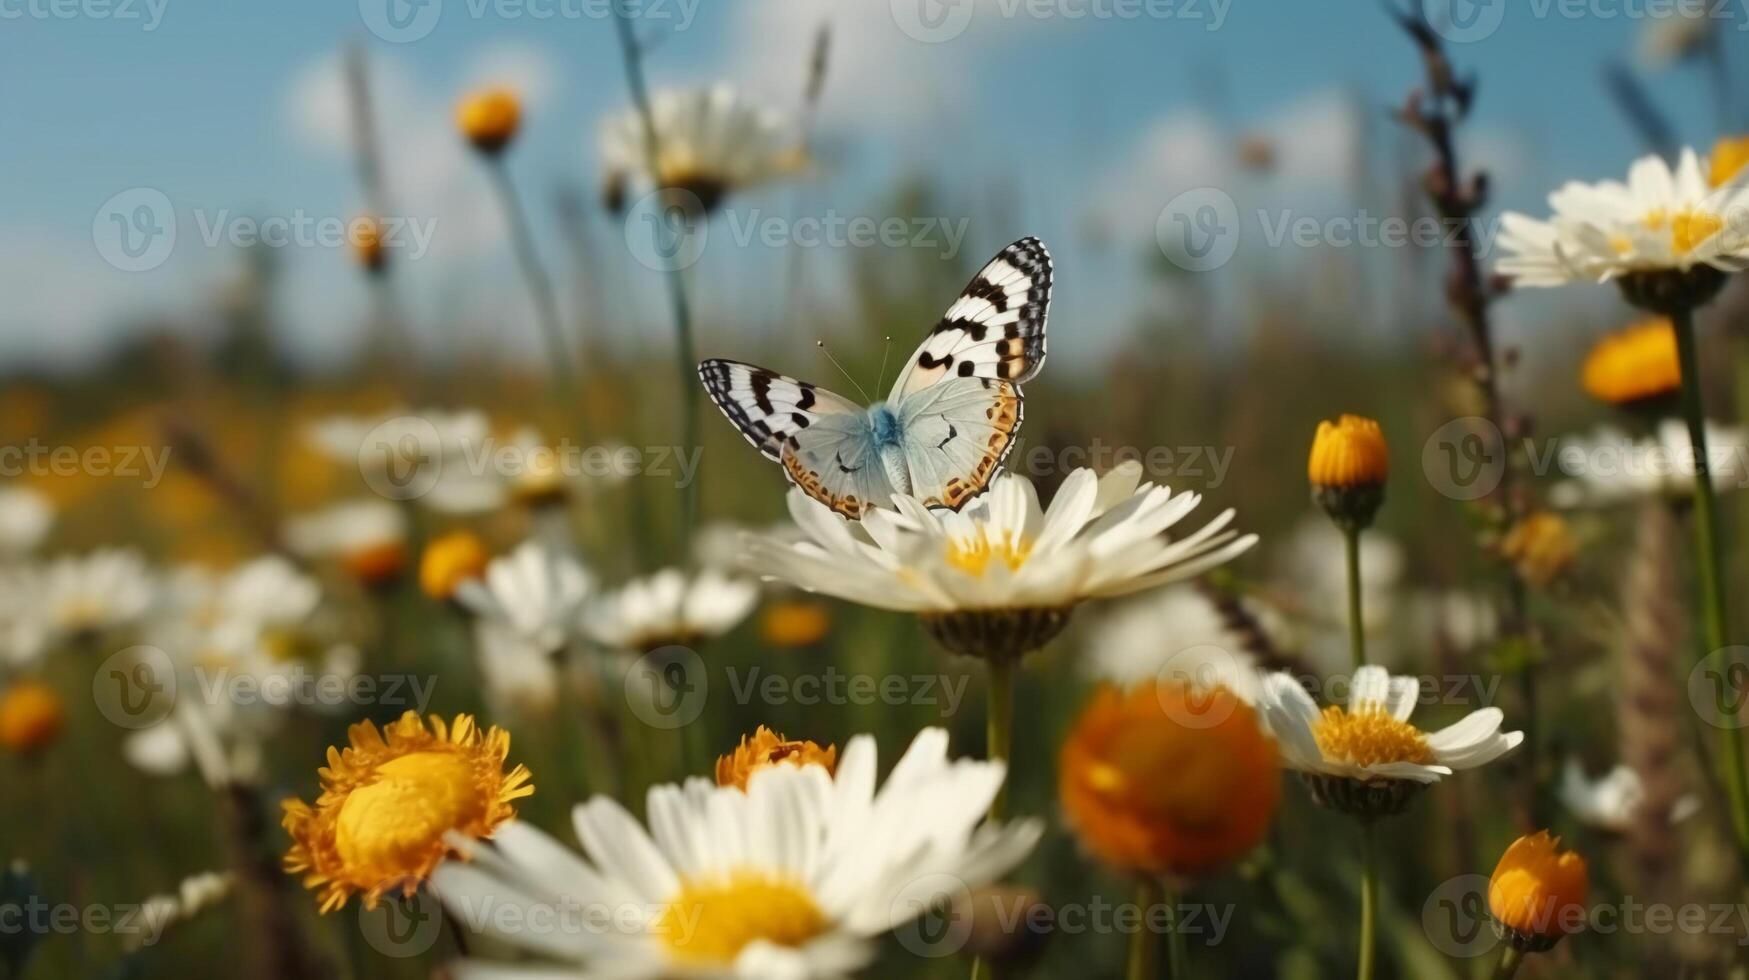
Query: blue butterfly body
{"x": 949, "y": 422}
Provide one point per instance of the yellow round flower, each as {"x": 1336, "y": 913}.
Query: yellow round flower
{"x": 489, "y": 118}
{"x": 1349, "y": 452}
{"x": 367, "y": 243}
{"x": 766, "y": 748}
{"x": 31, "y": 716}
{"x": 1634, "y": 365}
{"x": 1730, "y": 155}
{"x": 1541, "y": 547}
{"x": 450, "y": 560}
{"x": 1538, "y": 891}
{"x": 1169, "y": 780}
{"x": 388, "y": 800}
{"x": 795, "y": 623}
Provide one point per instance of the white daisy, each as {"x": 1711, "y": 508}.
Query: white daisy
{"x": 368, "y": 537}
{"x": 537, "y": 592}
{"x": 713, "y": 141}
{"x": 433, "y": 453}
{"x": 791, "y": 878}
{"x": 1101, "y": 537}
{"x": 76, "y": 595}
{"x": 25, "y": 519}
{"x": 1613, "y": 800}
{"x": 1372, "y": 738}
{"x": 1660, "y": 220}
{"x": 520, "y": 677}
{"x": 1612, "y": 467}
{"x": 670, "y": 608}
{"x": 1176, "y": 633}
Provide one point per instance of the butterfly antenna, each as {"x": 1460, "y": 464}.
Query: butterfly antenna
{"x": 822, "y": 345}
{"x": 881, "y": 380}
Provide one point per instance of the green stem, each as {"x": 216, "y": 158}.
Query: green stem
{"x": 540, "y": 288}
{"x": 1369, "y": 903}
{"x": 686, "y": 360}
{"x": 1707, "y": 558}
{"x": 1177, "y": 959}
{"x": 1356, "y": 624}
{"x": 999, "y": 726}
{"x": 1510, "y": 960}
{"x": 1144, "y": 945}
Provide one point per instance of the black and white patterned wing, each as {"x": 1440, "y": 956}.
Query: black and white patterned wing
{"x": 768, "y": 408}
{"x": 994, "y": 330}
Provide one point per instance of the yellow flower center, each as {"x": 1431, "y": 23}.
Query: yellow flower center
{"x": 973, "y": 556}
{"x": 392, "y": 825}
{"x": 1369, "y": 737}
{"x": 1688, "y": 229}
{"x": 1730, "y": 156}
{"x": 712, "y": 921}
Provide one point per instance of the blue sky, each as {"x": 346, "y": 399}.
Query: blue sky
{"x": 221, "y": 107}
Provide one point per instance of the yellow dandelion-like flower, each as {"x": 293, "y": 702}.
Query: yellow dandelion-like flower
{"x": 1634, "y": 365}
{"x": 766, "y": 748}
{"x": 1349, "y": 452}
{"x": 389, "y": 799}
{"x": 489, "y": 118}
{"x": 1538, "y": 891}
{"x": 450, "y": 560}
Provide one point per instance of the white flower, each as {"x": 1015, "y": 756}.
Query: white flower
{"x": 434, "y": 453}
{"x": 1614, "y": 799}
{"x": 353, "y": 531}
{"x": 194, "y": 895}
{"x": 76, "y": 594}
{"x": 1101, "y": 537}
{"x": 520, "y": 676}
{"x": 536, "y": 591}
{"x": 790, "y": 879}
{"x": 670, "y": 608}
{"x": 25, "y": 519}
{"x": 713, "y": 141}
{"x": 1372, "y": 739}
{"x": 1173, "y": 633}
{"x": 1612, "y": 467}
{"x": 1659, "y": 220}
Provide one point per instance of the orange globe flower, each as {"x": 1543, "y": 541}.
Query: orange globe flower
{"x": 449, "y": 561}
{"x": 1167, "y": 779}
{"x": 1634, "y": 365}
{"x": 31, "y": 716}
{"x": 389, "y": 800}
{"x": 1537, "y": 892}
{"x": 489, "y": 118}
{"x": 764, "y": 749}
{"x": 795, "y": 623}
{"x": 1349, "y": 452}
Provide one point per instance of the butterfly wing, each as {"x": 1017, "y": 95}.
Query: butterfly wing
{"x": 995, "y": 329}
{"x": 956, "y": 435}
{"x": 767, "y": 407}
{"x": 822, "y": 439}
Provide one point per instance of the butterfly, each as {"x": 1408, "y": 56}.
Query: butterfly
{"x": 949, "y": 422}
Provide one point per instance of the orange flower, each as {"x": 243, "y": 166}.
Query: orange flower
{"x": 795, "y": 623}
{"x": 767, "y": 748}
{"x": 449, "y": 561}
{"x": 1349, "y": 452}
{"x": 1538, "y": 891}
{"x": 1541, "y": 547}
{"x": 389, "y": 800}
{"x": 489, "y": 118}
{"x": 367, "y": 244}
{"x": 31, "y": 716}
{"x": 1634, "y": 365}
{"x": 1169, "y": 780}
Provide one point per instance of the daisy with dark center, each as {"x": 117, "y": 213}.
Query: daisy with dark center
{"x": 392, "y": 799}
{"x": 1668, "y": 239}
{"x": 1000, "y": 578}
{"x": 711, "y": 142}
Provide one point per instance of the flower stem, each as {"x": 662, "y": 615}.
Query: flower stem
{"x": 1707, "y": 559}
{"x": 999, "y": 725}
{"x": 540, "y": 288}
{"x": 685, "y": 359}
{"x": 1144, "y": 945}
{"x": 1356, "y": 625}
{"x": 1177, "y": 960}
{"x": 1509, "y": 963}
{"x": 1369, "y": 902}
